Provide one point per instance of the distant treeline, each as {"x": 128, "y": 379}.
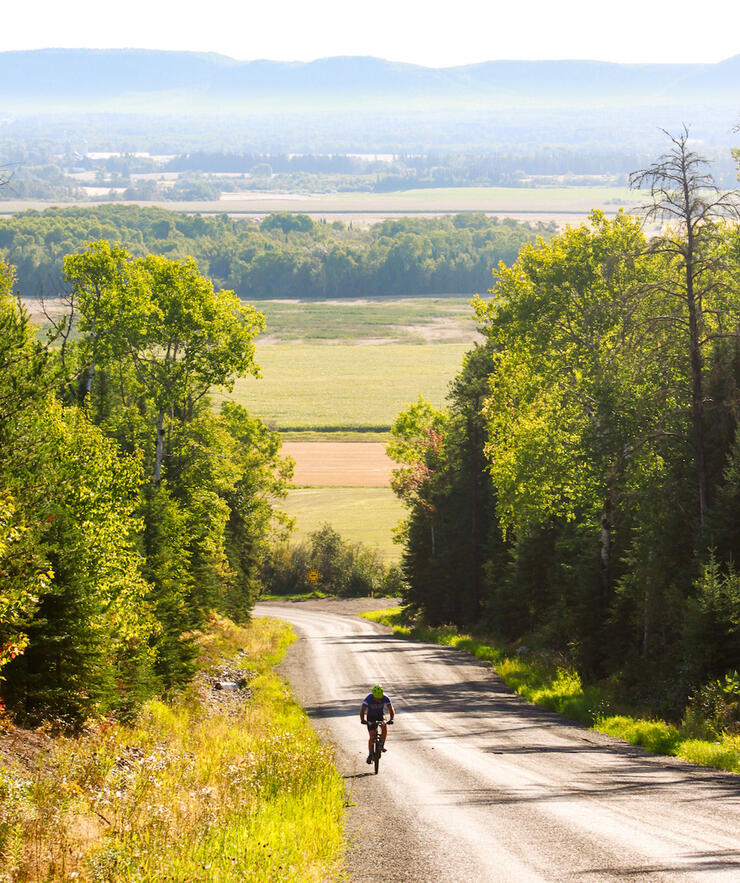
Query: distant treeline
{"x": 285, "y": 255}
{"x": 436, "y": 169}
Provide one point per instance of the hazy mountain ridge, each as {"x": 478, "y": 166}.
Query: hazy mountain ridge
{"x": 61, "y": 78}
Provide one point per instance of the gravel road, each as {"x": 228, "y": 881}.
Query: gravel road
{"x": 478, "y": 785}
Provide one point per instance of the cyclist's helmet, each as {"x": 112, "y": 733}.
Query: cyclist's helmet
{"x": 377, "y": 691}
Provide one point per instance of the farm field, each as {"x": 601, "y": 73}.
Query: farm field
{"x": 339, "y": 464}
{"x": 541, "y": 203}
{"x": 334, "y": 377}
{"x": 366, "y": 515}
{"x": 344, "y": 386}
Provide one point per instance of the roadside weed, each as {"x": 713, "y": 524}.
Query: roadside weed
{"x": 210, "y": 786}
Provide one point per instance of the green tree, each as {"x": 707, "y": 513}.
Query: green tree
{"x": 25, "y": 572}
{"x": 572, "y": 385}
{"x": 451, "y": 533}
{"x": 160, "y": 324}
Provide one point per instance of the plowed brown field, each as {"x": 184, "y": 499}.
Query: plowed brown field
{"x": 339, "y": 464}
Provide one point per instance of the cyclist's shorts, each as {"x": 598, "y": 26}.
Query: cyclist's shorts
{"x": 372, "y": 722}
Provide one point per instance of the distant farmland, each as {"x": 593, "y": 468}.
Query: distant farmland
{"x": 559, "y": 204}
{"x": 339, "y": 464}
{"x": 345, "y": 386}
{"x": 366, "y": 515}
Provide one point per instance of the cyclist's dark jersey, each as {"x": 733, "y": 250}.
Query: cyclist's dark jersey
{"x": 375, "y": 707}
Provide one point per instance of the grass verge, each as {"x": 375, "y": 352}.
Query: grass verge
{"x": 305, "y": 596}
{"x": 560, "y": 689}
{"x": 215, "y": 786}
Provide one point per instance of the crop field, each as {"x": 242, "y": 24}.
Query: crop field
{"x": 334, "y": 377}
{"x": 402, "y": 320}
{"x": 339, "y": 463}
{"x": 366, "y": 515}
{"x": 345, "y": 386}
{"x": 541, "y": 202}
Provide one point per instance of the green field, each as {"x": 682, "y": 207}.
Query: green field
{"x": 366, "y": 515}
{"x": 493, "y": 199}
{"x": 496, "y": 200}
{"x": 320, "y": 386}
{"x": 351, "y": 387}
{"x": 409, "y": 319}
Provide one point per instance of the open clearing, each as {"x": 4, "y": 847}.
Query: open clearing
{"x": 366, "y": 515}
{"x": 315, "y": 386}
{"x": 339, "y": 464}
{"x": 412, "y": 319}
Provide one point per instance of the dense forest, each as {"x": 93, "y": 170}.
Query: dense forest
{"x": 580, "y": 492}
{"x": 284, "y": 255}
{"x": 128, "y": 509}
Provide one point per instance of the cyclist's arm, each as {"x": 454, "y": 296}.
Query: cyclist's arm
{"x": 363, "y": 708}
{"x": 391, "y": 711}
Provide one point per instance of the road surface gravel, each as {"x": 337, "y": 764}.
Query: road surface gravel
{"x": 478, "y": 785}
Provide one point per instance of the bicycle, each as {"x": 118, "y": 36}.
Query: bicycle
{"x": 374, "y": 727}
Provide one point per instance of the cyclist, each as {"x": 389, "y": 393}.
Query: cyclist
{"x": 371, "y": 712}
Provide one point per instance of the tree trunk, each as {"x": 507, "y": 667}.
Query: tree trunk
{"x": 91, "y": 372}
{"x": 645, "y": 623}
{"x": 606, "y": 551}
{"x": 697, "y": 394}
{"x": 159, "y": 450}
{"x": 474, "y": 551}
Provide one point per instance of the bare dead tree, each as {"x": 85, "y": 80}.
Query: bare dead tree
{"x": 6, "y": 176}
{"x": 683, "y": 194}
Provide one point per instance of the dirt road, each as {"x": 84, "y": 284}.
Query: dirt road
{"x": 477, "y": 785}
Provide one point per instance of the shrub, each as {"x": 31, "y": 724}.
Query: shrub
{"x": 714, "y": 708}
{"x": 330, "y": 565}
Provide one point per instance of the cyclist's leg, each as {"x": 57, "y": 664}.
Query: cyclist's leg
{"x": 383, "y": 734}
{"x": 370, "y": 740}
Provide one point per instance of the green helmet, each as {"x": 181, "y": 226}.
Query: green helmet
{"x": 377, "y": 691}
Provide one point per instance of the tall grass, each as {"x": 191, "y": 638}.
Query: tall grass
{"x": 214, "y": 786}
{"x": 556, "y": 686}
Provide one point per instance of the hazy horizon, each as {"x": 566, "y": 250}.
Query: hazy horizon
{"x": 401, "y": 32}
{"x": 367, "y": 55}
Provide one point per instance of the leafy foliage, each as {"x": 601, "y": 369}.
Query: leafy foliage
{"x": 610, "y": 363}
{"x": 128, "y": 508}
{"x": 330, "y": 565}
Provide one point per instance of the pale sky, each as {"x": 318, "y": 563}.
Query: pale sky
{"x": 427, "y": 33}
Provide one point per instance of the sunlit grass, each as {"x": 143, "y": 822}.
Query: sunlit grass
{"x": 654, "y": 735}
{"x": 345, "y": 386}
{"x": 554, "y": 686}
{"x": 299, "y": 596}
{"x": 723, "y": 754}
{"x": 403, "y": 320}
{"x": 213, "y": 786}
{"x": 360, "y": 515}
